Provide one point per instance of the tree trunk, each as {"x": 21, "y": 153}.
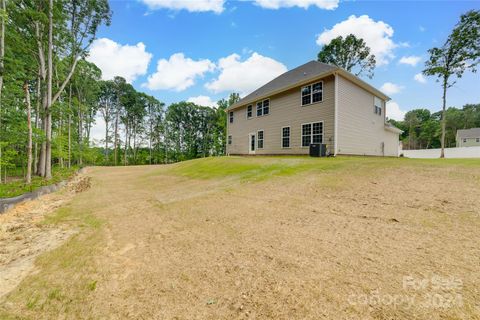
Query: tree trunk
{"x": 126, "y": 143}
{"x": 70, "y": 128}
{"x": 444, "y": 113}
{"x": 2, "y": 54}
{"x": 37, "y": 122}
{"x": 106, "y": 131}
{"x": 115, "y": 146}
{"x": 28, "y": 178}
{"x": 151, "y": 134}
{"x": 48, "y": 145}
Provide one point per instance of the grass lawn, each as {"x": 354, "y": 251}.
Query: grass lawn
{"x": 18, "y": 187}
{"x": 262, "y": 238}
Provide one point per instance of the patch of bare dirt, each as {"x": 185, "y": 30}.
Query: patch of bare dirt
{"x": 314, "y": 246}
{"x": 23, "y": 236}
{"x": 307, "y": 247}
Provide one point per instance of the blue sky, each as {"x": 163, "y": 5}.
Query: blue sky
{"x": 208, "y": 48}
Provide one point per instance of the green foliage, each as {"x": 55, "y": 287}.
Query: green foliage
{"x": 422, "y": 129}
{"x": 350, "y": 53}
{"x": 459, "y": 53}
{"x": 18, "y": 186}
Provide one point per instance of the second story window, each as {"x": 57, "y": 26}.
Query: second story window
{"x": 230, "y": 116}
{"x": 312, "y": 93}
{"x": 263, "y": 108}
{"x": 377, "y": 106}
{"x": 249, "y": 111}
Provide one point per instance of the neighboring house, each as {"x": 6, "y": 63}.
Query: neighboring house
{"x": 468, "y": 137}
{"x": 313, "y": 103}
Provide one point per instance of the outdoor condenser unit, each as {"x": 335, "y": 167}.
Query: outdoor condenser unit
{"x": 318, "y": 150}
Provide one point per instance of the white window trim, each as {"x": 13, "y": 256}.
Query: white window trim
{"x": 289, "y": 138}
{"x": 269, "y": 107}
{"x": 311, "y": 94}
{"x": 311, "y": 135}
{"x": 263, "y": 140}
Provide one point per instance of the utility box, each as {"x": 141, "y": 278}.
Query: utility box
{"x": 318, "y": 150}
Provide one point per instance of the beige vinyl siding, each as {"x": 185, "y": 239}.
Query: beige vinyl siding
{"x": 285, "y": 111}
{"x": 360, "y": 130}
{"x": 471, "y": 142}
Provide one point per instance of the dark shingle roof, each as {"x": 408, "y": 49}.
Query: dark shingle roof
{"x": 468, "y": 133}
{"x": 306, "y": 71}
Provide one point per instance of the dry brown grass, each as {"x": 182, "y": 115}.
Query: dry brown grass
{"x": 158, "y": 244}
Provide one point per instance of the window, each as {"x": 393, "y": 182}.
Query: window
{"x": 263, "y": 108}
{"x": 229, "y": 139}
{"x": 312, "y": 133}
{"x": 259, "y": 109}
{"x": 266, "y": 107}
{"x": 286, "y": 137}
{"x": 260, "y": 139}
{"x": 377, "y": 104}
{"x": 249, "y": 111}
{"x": 477, "y": 140}
{"x": 464, "y": 140}
{"x": 312, "y": 93}
{"x": 231, "y": 116}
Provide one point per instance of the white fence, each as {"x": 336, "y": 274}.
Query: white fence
{"x": 462, "y": 152}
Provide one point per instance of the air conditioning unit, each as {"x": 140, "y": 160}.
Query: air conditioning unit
{"x": 318, "y": 150}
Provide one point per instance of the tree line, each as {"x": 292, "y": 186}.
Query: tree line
{"x": 50, "y": 96}
{"x": 422, "y": 129}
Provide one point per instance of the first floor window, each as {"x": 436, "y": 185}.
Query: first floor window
{"x": 464, "y": 140}
{"x": 260, "y": 139}
{"x": 229, "y": 139}
{"x": 249, "y": 111}
{"x": 312, "y": 133}
{"x": 477, "y": 140}
{"x": 231, "y": 116}
{"x": 286, "y": 137}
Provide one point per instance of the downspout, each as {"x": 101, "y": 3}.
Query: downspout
{"x": 335, "y": 126}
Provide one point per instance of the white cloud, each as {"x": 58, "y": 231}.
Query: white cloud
{"x": 422, "y": 28}
{"x": 394, "y": 112}
{"x": 410, "y": 60}
{"x": 203, "y": 101}
{"x": 189, "y": 5}
{"x": 177, "y": 73}
{"x": 277, "y": 4}
{"x": 246, "y": 76}
{"x": 115, "y": 59}
{"x": 391, "y": 88}
{"x": 420, "y": 78}
{"x": 377, "y": 35}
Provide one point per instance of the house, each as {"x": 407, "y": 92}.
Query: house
{"x": 468, "y": 137}
{"x": 313, "y": 103}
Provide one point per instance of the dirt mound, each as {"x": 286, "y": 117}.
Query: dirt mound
{"x": 81, "y": 184}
